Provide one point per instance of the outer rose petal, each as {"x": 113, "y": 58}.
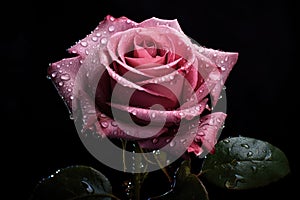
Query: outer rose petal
{"x": 62, "y": 74}
{"x": 100, "y": 36}
{"x": 154, "y": 22}
{"x": 208, "y": 133}
{"x": 215, "y": 59}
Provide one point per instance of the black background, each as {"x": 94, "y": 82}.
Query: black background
{"x": 37, "y": 135}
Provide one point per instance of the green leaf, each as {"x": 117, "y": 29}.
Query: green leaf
{"x": 245, "y": 163}
{"x": 74, "y": 182}
{"x": 187, "y": 186}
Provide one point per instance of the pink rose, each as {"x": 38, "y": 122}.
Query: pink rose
{"x": 149, "y": 73}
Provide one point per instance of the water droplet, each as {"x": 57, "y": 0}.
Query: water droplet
{"x": 183, "y": 141}
{"x": 112, "y": 18}
{"x": 172, "y": 143}
{"x": 57, "y": 66}
{"x": 71, "y": 116}
{"x": 111, "y": 28}
{"x": 141, "y": 165}
{"x": 69, "y": 90}
{"x": 223, "y": 68}
{"x": 215, "y": 55}
{"x": 103, "y": 40}
{"x": 171, "y": 77}
{"x": 155, "y": 140}
{"x": 254, "y": 169}
{"x": 226, "y": 141}
{"x": 245, "y": 146}
{"x": 113, "y": 123}
{"x": 74, "y": 51}
{"x": 94, "y": 39}
{"x": 104, "y": 124}
{"x": 65, "y": 77}
{"x": 84, "y": 44}
{"x": 60, "y": 84}
{"x": 156, "y": 152}
{"x": 134, "y": 112}
{"x": 88, "y": 187}
{"x": 98, "y": 34}
{"x": 53, "y": 74}
{"x": 153, "y": 115}
{"x": 128, "y": 21}
{"x": 250, "y": 153}
{"x": 86, "y": 52}
{"x": 226, "y": 58}
{"x": 268, "y": 155}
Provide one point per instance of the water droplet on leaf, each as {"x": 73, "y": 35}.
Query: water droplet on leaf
{"x": 88, "y": 187}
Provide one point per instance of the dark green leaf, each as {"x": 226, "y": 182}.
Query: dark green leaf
{"x": 244, "y": 163}
{"x": 74, "y": 182}
{"x": 187, "y": 186}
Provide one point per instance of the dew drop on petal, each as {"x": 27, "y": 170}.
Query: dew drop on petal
{"x": 111, "y": 28}
{"x": 83, "y": 43}
{"x": 94, "y": 39}
{"x": 53, "y": 75}
{"x": 172, "y": 143}
{"x": 153, "y": 115}
{"x": 104, "y": 124}
{"x": 65, "y": 77}
{"x": 103, "y": 40}
{"x": 183, "y": 141}
{"x": 61, "y": 84}
{"x": 113, "y": 123}
{"x": 155, "y": 140}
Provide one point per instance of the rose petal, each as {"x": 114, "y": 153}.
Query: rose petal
{"x": 95, "y": 121}
{"x": 102, "y": 33}
{"x": 154, "y": 22}
{"x": 63, "y": 74}
{"x": 214, "y": 59}
{"x": 170, "y": 117}
{"x": 208, "y": 132}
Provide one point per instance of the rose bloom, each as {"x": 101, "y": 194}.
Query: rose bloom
{"x": 146, "y": 82}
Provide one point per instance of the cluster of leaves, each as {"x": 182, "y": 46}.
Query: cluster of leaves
{"x": 238, "y": 163}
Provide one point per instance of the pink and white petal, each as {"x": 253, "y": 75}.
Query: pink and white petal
{"x": 209, "y": 130}
{"x": 100, "y": 36}
{"x": 63, "y": 74}
{"x": 154, "y": 22}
